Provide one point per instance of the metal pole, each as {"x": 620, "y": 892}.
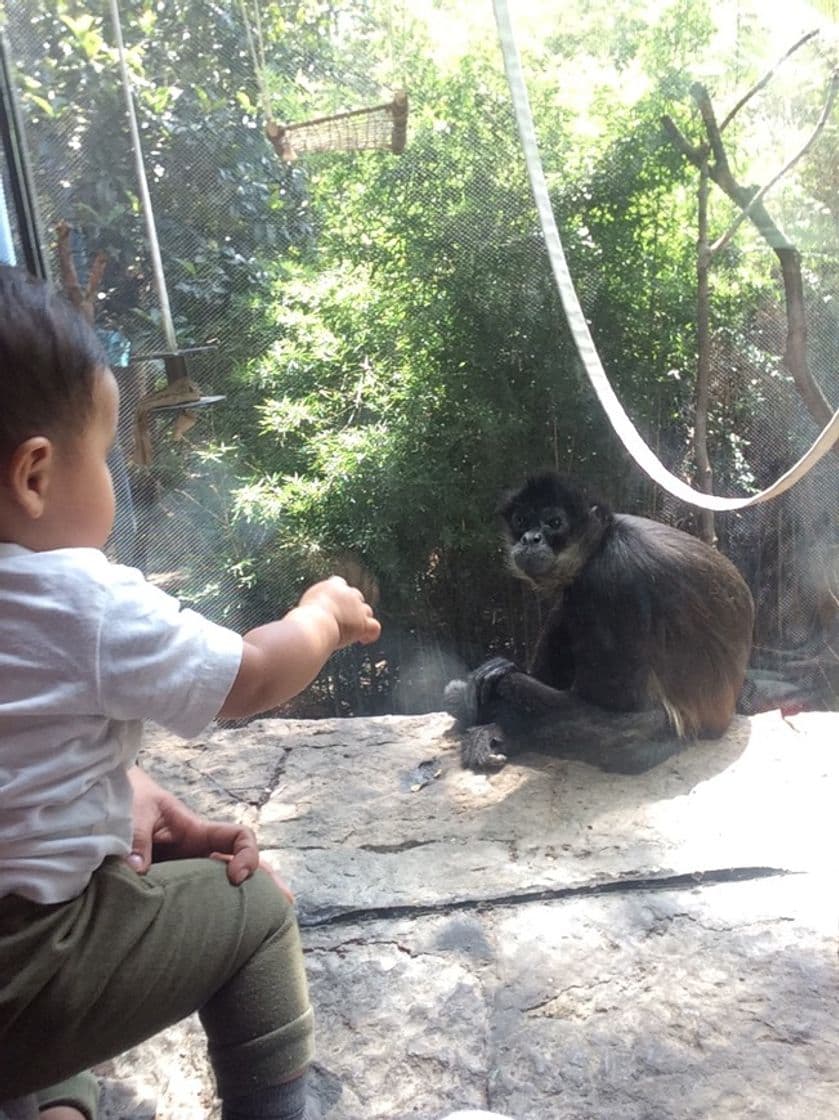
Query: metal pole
{"x": 145, "y": 197}
{"x": 21, "y": 183}
{"x": 7, "y": 245}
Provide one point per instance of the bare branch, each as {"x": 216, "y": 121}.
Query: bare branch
{"x": 766, "y": 77}
{"x": 81, "y": 297}
{"x": 703, "y": 100}
{"x": 694, "y": 155}
{"x": 722, "y": 241}
{"x": 67, "y": 268}
{"x": 750, "y": 201}
{"x": 96, "y": 273}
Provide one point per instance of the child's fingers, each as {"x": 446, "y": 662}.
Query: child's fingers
{"x": 145, "y": 819}
{"x": 239, "y": 869}
{"x": 237, "y": 846}
{"x": 263, "y": 864}
{"x": 284, "y": 887}
{"x": 372, "y": 631}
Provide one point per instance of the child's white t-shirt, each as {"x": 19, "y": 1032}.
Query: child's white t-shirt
{"x": 88, "y": 650}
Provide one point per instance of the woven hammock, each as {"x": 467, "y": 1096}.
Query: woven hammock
{"x": 355, "y": 130}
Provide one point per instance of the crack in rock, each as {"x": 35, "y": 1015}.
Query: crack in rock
{"x": 314, "y": 917}
{"x": 403, "y": 846}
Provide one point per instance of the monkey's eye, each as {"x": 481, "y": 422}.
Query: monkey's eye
{"x": 518, "y": 522}
{"x": 555, "y": 520}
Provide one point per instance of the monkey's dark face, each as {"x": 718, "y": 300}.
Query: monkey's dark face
{"x": 536, "y": 537}
{"x": 549, "y": 529}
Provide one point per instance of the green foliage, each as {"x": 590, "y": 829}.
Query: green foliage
{"x": 394, "y": 348}
{"x": 225, "y": 206}
{"x": 420, "y": 353}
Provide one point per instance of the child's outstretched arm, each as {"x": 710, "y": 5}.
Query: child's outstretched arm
{"x": 282, "y": 657}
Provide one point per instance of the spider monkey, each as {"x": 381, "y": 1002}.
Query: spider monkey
{"x": 645, "y": 645}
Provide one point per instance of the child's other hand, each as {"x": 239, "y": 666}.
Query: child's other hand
{"x": 165, "y": 829}
{"x": 351, "y": 611}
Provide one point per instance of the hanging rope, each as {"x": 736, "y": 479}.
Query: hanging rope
{"x": 257, "y": 54}
{"x": 623, "y": 426}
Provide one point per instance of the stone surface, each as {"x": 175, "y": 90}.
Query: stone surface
{"x": 549, "y": 941}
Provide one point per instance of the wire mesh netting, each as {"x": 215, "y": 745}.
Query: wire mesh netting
{"x": 383, "y": 328}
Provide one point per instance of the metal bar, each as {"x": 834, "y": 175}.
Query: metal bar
{"x": 142, "y": 181}
{"x": 21, "y": 183}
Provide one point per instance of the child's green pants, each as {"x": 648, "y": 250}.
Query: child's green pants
{"x": 85, "y": 980}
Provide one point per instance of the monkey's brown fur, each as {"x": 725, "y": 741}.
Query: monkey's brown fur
{"x": 645, "y": 621}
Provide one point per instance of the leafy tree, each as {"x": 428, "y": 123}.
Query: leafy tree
{"x": 391, "y": 345}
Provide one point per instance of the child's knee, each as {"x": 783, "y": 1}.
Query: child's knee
{"x": 259, "y": 1023}
{"x": 264, "y": 897}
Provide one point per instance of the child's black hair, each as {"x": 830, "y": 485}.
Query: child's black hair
{"x": 49, "y": 360}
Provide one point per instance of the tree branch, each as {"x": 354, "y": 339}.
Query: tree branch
{"x": 694, "y": 155}
{"x": 702, "y": 395}
{"x": 67, "y": 268}
{"x": 765, "y": 79}
{"x": 703, "y": 100}
{"x": 80, "y": 297}
{"x": 750, "y": 202}
{"x": 722, "y": 241}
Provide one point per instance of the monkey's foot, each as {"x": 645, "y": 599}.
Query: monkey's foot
{"x": 470, "y": 700}
{"x": 479, "y": 748}
{"x": 460, "y": 701}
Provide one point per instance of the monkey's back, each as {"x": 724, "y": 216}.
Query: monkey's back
{"x": 658, "y": 616}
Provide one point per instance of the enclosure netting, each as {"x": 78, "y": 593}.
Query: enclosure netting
{"x": 229, "y": 212}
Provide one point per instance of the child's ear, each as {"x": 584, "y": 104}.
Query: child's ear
{"x": 29, "y": 472}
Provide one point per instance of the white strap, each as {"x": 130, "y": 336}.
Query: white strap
{"x": 626, "y": 430}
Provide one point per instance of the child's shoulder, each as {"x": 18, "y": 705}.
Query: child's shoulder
{"x": 60, "y": 592}
{"x": 87, "y": 563}
{"x": 75, "y": 590}
{"x": 64, "y": 569}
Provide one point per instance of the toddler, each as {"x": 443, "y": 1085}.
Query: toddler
{"x": 94, "y": 957}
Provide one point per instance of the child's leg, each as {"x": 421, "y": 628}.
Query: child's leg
{"x": 72, "y": 1099}
{"x": 22, "y": 1108}
{"x": 136, "y": 953}
{"x": 280, "y": 1102}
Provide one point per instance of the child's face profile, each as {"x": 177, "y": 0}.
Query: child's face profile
{"x": 82, "y": 497}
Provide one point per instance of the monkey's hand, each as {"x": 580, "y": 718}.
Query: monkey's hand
{"x": 479, "y": 748}
{"x": 486, "y": 681}
{"x": 470, "y": 701}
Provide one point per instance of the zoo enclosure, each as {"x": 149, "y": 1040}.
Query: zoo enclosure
{"x": 383, "y": 328}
